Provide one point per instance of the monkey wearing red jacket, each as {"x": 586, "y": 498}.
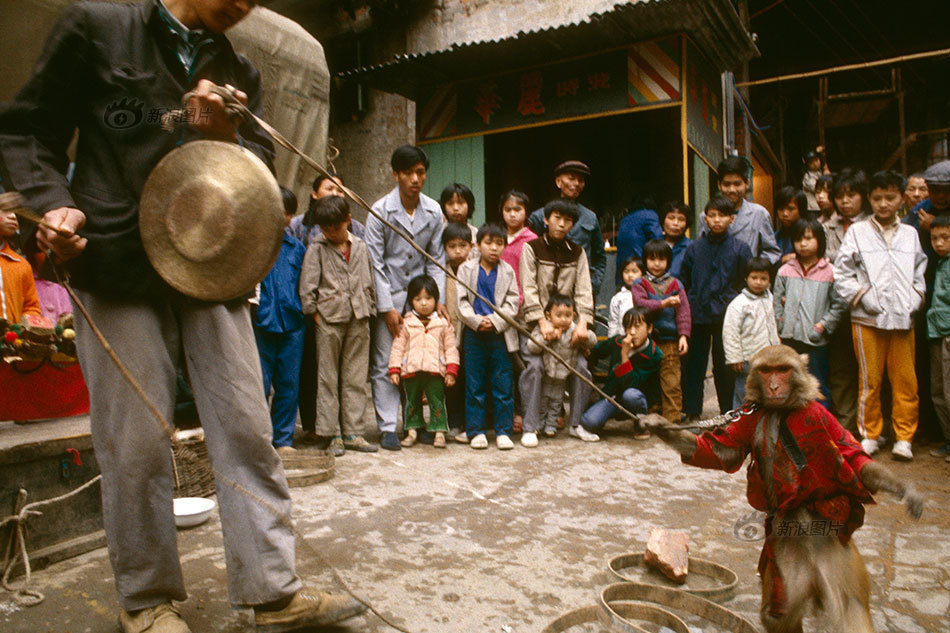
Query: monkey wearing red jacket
{"x": 812, "y": 479}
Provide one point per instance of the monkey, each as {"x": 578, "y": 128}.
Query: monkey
{"x": 811, "y": 477}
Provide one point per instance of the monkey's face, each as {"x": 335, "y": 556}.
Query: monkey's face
{"x": 776, "y": 383}
{"x": 779, "y": 379}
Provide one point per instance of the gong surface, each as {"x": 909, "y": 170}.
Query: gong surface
{"x": 211, "y": 219}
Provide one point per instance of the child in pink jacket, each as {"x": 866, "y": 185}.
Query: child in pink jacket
{"x": 425, "y": 359}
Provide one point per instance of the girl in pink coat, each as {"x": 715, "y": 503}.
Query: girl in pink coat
{"x": 425, "y": 359}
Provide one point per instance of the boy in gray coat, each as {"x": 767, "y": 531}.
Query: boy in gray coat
{"x": 336, "y": 288}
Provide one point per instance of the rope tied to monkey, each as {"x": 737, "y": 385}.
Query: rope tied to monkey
{"x": 238, "y": 111}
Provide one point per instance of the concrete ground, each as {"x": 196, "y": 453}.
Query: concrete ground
{"x": 460, "y": 540}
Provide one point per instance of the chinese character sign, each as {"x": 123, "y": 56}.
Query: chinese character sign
{"x": 530, "y": 99}
{"x": 643, "y": 74}
{"x": 487, "y": 101}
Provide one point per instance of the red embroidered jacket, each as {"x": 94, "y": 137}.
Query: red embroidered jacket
{"x": 827, "y": 484}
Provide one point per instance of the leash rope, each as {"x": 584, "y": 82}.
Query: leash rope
{"x": 238, "y": 110}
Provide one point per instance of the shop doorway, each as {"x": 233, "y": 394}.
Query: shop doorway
{"x": 628, "y": 154}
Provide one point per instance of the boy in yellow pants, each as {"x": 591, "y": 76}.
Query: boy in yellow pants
{"x": 879, "y": 271}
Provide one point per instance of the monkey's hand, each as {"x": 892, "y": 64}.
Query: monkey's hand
{"x": 876, "y": 477}
{"x": 682, "y": 441}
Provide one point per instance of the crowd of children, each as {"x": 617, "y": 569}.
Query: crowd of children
{"x": 837, "y": 276}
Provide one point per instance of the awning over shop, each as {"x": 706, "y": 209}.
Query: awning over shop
{"x": 713, "y": 25}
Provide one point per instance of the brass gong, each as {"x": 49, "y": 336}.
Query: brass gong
{"x": 211, "y": 220}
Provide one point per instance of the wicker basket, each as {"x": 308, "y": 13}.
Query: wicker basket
{"x": 192, "y": 468}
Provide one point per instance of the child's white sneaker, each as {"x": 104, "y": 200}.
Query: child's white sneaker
{"x": 870, "y": 446}
{"x": 504, "y": 443}
{"x": 901, "y": 451}
{"x": 529, "y": 439}
{"x": 550, "y": 431}
{"x": 582, "y": 433}
{"x": 479, "y": 441}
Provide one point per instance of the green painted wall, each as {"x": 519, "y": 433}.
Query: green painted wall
{"x": 700, "y": 193}
{"x": 461, "y": 161}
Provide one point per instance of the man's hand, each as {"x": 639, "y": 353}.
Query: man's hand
{"x": 394, "y": 378}
{"x": 580, "y": 332}
{"x": 65, "y": 219}
{"x": 787, "y": 258}
{"x": 393, "y": 322}
{"x": 819, "y": 327}
{"x": 738, "y": 367}
{"x": 485, "y": 325}
{"x": 670, "y": 302}
{"x": 316, "y": 318}
{"x": 449, "y": 380}
{"x": 548, "y": 331}
{"x": 683, "y": 347}
{"x": 926, "y": 219}
{"x": 443, "y": 311}
{"x": 210, "y": 115}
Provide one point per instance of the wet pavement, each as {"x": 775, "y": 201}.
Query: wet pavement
{"x": 460, "y": 540}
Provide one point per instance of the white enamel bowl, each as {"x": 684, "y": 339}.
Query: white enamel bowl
{"x": 192, "y": 511}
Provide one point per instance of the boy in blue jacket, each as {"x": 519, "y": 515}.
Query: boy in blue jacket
{"x": 278, "y": 330}
{"x": 712, "y": 275}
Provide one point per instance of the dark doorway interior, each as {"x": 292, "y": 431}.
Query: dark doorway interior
{"x": 627, "y": 154}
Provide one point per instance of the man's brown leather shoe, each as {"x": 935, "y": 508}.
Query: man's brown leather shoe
{"x": 163, "y": 618}
{"x": 308, "y": 607}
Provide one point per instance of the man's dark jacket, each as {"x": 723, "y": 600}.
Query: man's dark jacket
{"x": 110, "y": 70}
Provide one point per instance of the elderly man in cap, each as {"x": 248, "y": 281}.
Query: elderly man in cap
{"x": 104, "y": 68}
{"x": 937, "y": 178}
{"x": 570, "y": 177}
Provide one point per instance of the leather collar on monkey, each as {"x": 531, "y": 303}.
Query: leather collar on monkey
{"x": 806, "y": 470}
